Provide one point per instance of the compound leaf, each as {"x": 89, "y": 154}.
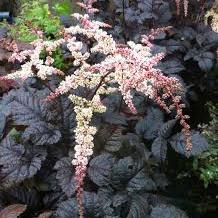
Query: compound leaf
{"x": 141, "y": 181}
{"x": 19, "y": 162}
{"x": 65, "y": 176}
{"x": 42, "y": 133}
{"x": 27, "y": 109}
{"x": 100, "y": 168}
{"x": 159, "y": 148}
{"x": 123, "y": 170}
{"x": 172, "y": 66}
{"x": 149, "y": 126}
{"x": 167, "y": 211}
{"x": 66, "y": 117}
{"x": 199, "y": 144}
{"x": 139, "y": 207}
{"x": 69, "y": 209}
{"x": 114, "y": 143}
{"x": 205, "y": 60}
{"x": 2, "y": 123}
{"x": 167, "y": 128}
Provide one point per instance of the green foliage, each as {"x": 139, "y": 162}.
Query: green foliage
{"x": 62, "y": 8}
{"x": 207, "y": 162}
{"x": 59, "y": 60}
{"x": 23, "y": 32}
{"x": 209, "y": 174}
{"x": 33, "y": 17}
{"x": 15, "y": 135}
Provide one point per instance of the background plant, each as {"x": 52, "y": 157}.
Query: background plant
{"x": 206, "y": 163}
{"x": 35, "y": 17}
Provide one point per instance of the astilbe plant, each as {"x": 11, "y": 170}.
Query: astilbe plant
{"x": 124, "y": 67}
{"x": 185, "y": 6}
